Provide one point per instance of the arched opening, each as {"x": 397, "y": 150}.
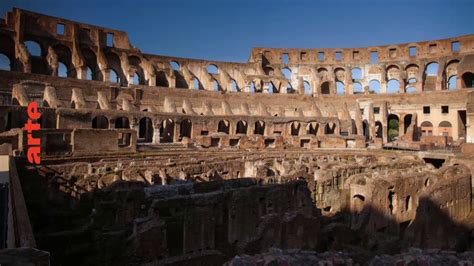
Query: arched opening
{"x": 358, "y": 203}
{"x": 268, "y": 71}
{"x": 212, "y": 69}
{"x": 215, "y": 85}
{"x": 468, "y": 80}
{"x": 5, "y": 62}
{"x": 145, "y": 130}
{"x": 186, "y": 128}
{"x": 89, "y": 73}
{"x": 252, "y": 87}
{"x": 175, "y": 65}
{"x": 452, "y": 83}
{"x": 365, "y": 129}
{"x": 445, "y": 129}
{"x": 115, "y": 66}
{"x": 100, "y": 122}
{"x": 312, "y": 129}
{"x": 62, "y": 70}
{"x": 295, "y": 128}
{"x": 197, "y": 84}
{"x": 113, "y": 77}
{"x": 307, "y": 88}
{"x": 392, "y": 130}
{"x": 259, "y": 128}
{"x": 122, "y": 122}
{"x": 91, "y": 62}
{"x": 330, "y": 128}
{"x": 432, "y": 69}
{"x": 241, "y": 128}
{"x": 340, "y": 88}
{"x": 287, "y": 73}
{"x": 378, "y": 129}
{"x": 223, "y": 126}
{"x": 136, "y": 79}
{"x": 426, "y": 128}
{"x": 34, "y": 48}
{"x": 393, "y": 86}
{"x": 325, "y": 88}
{"x": 356, "y": 73}
{"x": 162, "y": 81}
{"x": 410, "y": 89}
{"x": 38, "y": 62}
{"x": 357, "y": 88}
{"x": 406, "y": 122}
{"x": 233, "y": 86}
{"x": 167, "y": 131}
{"x": 374, "y": 86}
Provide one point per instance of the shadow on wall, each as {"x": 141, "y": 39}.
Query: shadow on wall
{"x": 369, "y": 232}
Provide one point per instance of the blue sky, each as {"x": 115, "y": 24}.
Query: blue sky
{"x": 227, "y": 29}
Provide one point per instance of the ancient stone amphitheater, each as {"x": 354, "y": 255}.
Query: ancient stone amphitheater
{"x": 298, "y": 156}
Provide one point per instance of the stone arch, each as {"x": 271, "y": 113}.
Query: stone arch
{"x": 295, "y": 128}
{"x": 114, "y": 64}
{"x": 330, "y": 128}
{"x": 468, "y": 80}
{"x": 392, "y": 128}
{"x": 241, "y": 127}
{"x": 167, "y": 131}
{"x": 90, "y": 60}
{"x": 122, "y": 122}
{"x": 378, "y": 129}
{"x": 325, "y": 88}
{"x": 223, "y": 126}
{"x": 39, "y": 65}
{"x": 100, "y": 122}
{"x": 374, "y": 86}
{"x": 145, "y": 130}
{"x": 212, "y": 69}
{"x": 7, "y": 48}
{"x": 186, "y": 129}
{"x": 259, "y": 128}
{"x": 426, "y": 128}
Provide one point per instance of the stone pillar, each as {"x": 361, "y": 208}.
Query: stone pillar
{"x": 156, "y": 131}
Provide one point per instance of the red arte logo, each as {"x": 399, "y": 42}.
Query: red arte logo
{"x": 31, "y": 126}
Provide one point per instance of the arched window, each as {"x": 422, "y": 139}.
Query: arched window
{"x": 5, "y": 63}
{"x": 252, "y": 87}
{"x": 356, "y": 73}
{"x": 167, "y": 131}
{"x": 62, "y": 70}
{"x": 392, "y": 129}
{"x": 445, "y": 128}
{"x": 175, "y": 65}
{"x": 287, "y": 73}
{"x": 122, "y": 122}
{"x": 410, "y": 89}
{"x": 136, "y": 79}
{"x": 215, "y": 85}
{"x": 34, "y": 48}
{"x": 432, "y": 69}
{"x": 241, "y": 128}
{"x": 374, "y": 86}
{"x": 468, "y": 80}
{"x": 452, "y": 82}
{"x": 145, "y": 130}
{"x": 196, "y": 84}
{"x": 223, "y": 126}
{"x": 340, "y": 88}
{"x": 259, "y": 128}
{"x": 185, "y": 129}
{"x": 295, "y": 128}
{"x": 393, "y": 86}
{"x": 426, "y": 128}
{"x": 212, "y": 69}
{"x": 113, "y": 77}
{"x": 307, "y": 88}
{"x": 233, "y": 86}
{"x": 325, "y": 88}
{"x": 357, "y": 88}
{"x": 100, "y": 121}
{"x": 89, "y": 75}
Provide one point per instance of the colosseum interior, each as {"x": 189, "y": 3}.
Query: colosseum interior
{"x": 331, "y": 156}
